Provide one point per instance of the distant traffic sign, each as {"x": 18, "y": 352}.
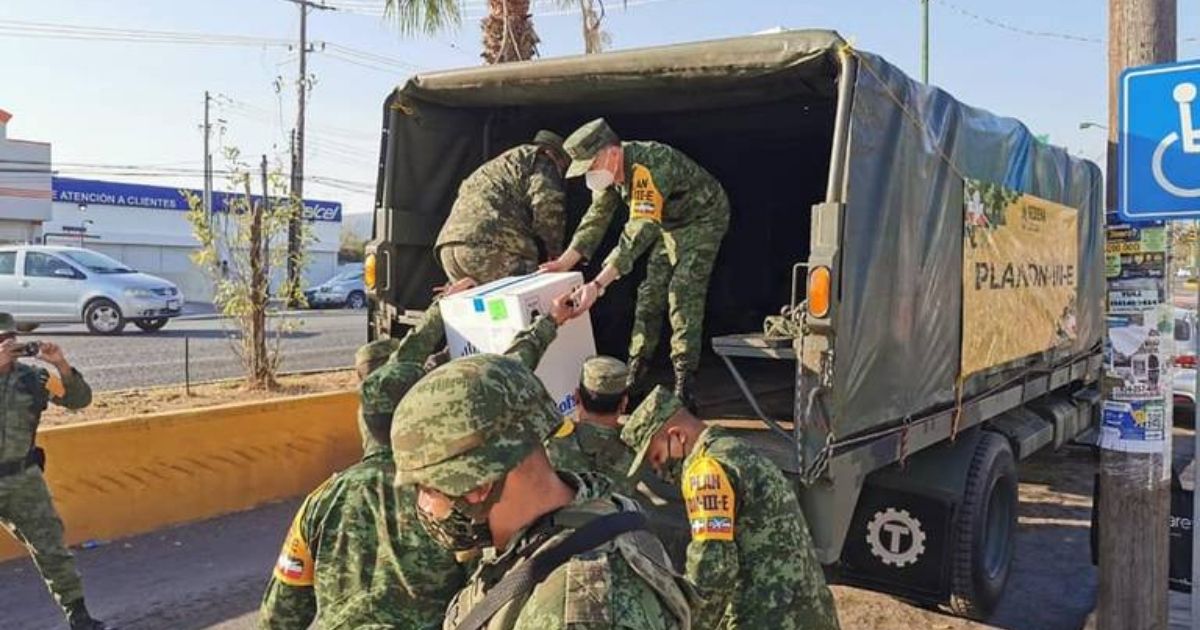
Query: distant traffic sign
{"x": 1158, "y": 165}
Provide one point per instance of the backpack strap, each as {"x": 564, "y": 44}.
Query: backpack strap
{"x": 521, "y": 581}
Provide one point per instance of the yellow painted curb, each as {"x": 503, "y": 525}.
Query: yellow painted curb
{"x": 116, "y": 478}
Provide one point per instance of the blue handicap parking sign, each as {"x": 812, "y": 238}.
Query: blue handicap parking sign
{"x": 1158, "y": 157}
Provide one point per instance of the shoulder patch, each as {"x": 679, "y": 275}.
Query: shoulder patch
{"x": 589, "y": 591}
{"x": 295, "y": 564}
{"x": 645, "y": 201}
{"x": 54, "y": 384}
{"x": 565, "y": 429}
{"x": 710, "y": 499}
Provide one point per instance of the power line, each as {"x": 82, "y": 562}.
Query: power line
{"x": 44, "y": 30}
{"x": 1017, "y": 29}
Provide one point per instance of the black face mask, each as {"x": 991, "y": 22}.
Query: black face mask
{"x": 671, "y": 470}
{"x": 465, "y": 528}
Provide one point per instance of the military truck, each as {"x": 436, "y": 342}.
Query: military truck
{"x": 847, "y": 184}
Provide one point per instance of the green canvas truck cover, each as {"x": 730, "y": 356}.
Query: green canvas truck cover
{"x": 898, "y": 300}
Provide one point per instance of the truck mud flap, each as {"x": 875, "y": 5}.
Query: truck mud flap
{"x": 899, "y": 544}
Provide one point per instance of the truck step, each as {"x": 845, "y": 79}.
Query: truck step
{"x": 1026, "y": 430}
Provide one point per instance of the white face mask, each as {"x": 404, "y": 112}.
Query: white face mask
{"x": 598, "y": 180}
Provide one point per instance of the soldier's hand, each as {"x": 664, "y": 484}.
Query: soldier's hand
{"x": 53, "y": 354}
{"x": 562, "y": 308}
{"x": 8, "y": 352}
{"x": 585, "y": 296}
{"x": 450, "y": 288}
{"x": 565, "y": 262}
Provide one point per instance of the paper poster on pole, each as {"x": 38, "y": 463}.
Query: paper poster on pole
{"x": 1138, "y": 426}
{"x": 1020, "y": 275}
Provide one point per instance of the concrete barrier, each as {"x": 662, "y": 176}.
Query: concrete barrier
{"x": 116, "y": 478}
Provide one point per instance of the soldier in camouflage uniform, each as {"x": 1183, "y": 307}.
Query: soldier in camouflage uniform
{"x": 751, "y": 557}
{"x": 594, "y": 443}
{"x": 677, "y": 211}
{"x": 26, "y": 509}
{"x": 355, "y": 556}
{"x": 509, "y": 214}
{"x": 469, "y": 437}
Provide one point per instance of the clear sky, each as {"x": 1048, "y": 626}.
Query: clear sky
{"x": 109, "y": 104}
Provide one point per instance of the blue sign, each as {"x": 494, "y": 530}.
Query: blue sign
{"x": 1158, "y": 159}
{"x": 102, "y": 193}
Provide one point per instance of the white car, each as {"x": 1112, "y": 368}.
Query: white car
{"x": 43, "y": 284}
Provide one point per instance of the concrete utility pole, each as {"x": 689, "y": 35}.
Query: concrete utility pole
{"x": 925, "y": 41}
{"x": 297, "y": 191}
{"x": 1134, "y": 487}
{"x": 207, "y": 158}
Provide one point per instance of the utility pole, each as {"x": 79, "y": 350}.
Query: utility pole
{"x": 267, "y": 236}
{"x": 925, "y": 41}
{"x": 207, "y": 158}
{"x": 297, "y": 190}
{"x": 1135, "y": 487}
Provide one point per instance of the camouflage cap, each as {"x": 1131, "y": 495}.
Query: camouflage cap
{"x": 548, "y": 138}
{"x": 382, "y": 390}
{"x": 645, "y": 422}
{"x": 8, "y": 325}
{"x": 377, "y": 350}
{"x": 470, "y": 422}
{"x": 583, "y": 145}
{"x": 604, "y": 375}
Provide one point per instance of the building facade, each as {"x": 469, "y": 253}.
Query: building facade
{"x": 24, "y": 186}
{"x": 146, "y": 227}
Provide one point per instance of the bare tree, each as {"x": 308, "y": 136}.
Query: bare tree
{"x": 236, "y": 258}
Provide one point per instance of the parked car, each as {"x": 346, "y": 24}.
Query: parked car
{"x": 1186, "y": 339}
{"x": 346, "y": 289}
{"x": 43, "y": 284}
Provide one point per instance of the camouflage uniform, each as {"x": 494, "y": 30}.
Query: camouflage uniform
{"x": 471, "y": 422}
{"x": 26, "y": 507}
{"x": 751, "y": 557}
{"x": 355, "y": 555}
{"x": 679, "y": 213}
{"x": 503, "y": 211}
{"x": 587, "y": 446}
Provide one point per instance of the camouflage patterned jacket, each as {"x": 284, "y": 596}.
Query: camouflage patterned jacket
{"x": 356, "y": 557}
{"x": 24, "y": 394}
{"x": 593, "y": 448}
{"x": 627, "y": 583}
{"x": 512, "y": 201}
{"x": 665, "y": 191}
{"x": 751, "y": 557}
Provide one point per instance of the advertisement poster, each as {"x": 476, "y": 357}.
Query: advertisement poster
{"x": 1020, "y": 273}
{"x": 1132, "y": 253}
{"x": 1134, "y": 427}
{"x": 1140, "y": 344}
{"x": 1137, "y": 354}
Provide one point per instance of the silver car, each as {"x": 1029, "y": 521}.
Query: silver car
{"x": 345, "y": 289}
{"x": 42, "y": 284}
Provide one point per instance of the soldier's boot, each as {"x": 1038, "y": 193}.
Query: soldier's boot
{"x": 80, "y": 619}
{"x": 685, "y": 386}
{"x": 636, "y": 383}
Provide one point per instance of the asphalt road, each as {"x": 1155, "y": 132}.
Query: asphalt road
{"x": 211, "y": 574}
{"x": 325, "y": 339}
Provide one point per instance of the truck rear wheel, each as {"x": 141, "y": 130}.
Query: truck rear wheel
{"x": 984, "y": 530}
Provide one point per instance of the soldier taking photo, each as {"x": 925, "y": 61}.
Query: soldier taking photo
{"x": 26, "y": 509}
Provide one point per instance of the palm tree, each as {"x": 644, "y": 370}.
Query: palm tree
{"x": 423, "y": 16}
{"x": 508, "y": 33}
{"x": 595, "y": 39}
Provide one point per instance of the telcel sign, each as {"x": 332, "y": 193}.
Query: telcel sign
{"x": 1158, "y": 166}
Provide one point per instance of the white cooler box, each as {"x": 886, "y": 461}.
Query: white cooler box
{"x": 488, "y": 317}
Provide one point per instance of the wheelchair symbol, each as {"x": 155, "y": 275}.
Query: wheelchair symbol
{"x": 1189, "y": 137}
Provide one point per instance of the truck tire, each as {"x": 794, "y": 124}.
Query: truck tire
{"x": 984, "y": 530}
